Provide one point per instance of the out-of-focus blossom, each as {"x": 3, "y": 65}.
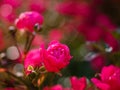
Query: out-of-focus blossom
{"x": 111, "y": 41}
{"x": 73, "y": 8}
{"x": 98, "y": 62}
{"x": 13, "y": 3}
{"x": 109, "y": 78}
{"x": 57, "y": 56}
{"x": 105, "y": 22}
{"x": 33, "y": 59}
{"x": 91, "y": 33}
{"x": 7, "y": 13}
{"x": 55, "y": 34}
{"x": 38, "y": 5}
{"x": 27, "y": 20}
{"x": 5, "y": 10}
{"x": 56, "y": 87}
{"x": 78, "y": 84}
{"x": 10, "y": 18}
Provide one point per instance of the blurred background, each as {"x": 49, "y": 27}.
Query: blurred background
{"x": 90, "y": 28}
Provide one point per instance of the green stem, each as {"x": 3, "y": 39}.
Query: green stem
{"x": 28, "y": 43}
{"x": 29, "y": 85}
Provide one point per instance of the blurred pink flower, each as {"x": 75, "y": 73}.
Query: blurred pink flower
{"x": 56, "y": 87}
{"x": 91, "y": 33}
{"x": 78, "y": 84}
{"x": 7, "y": 13}
{"x": 27, "y": 20}
{"x": 57, "y": 56}
{"x": 105, "y": 22}
{"x": 37, "y": 5}
{"x": 55, "y": 34}
{"x": 14, "y": 3}
{"x": 109, "y": 78}
{"x": 110, "y": 40}
{"x": 73, "y": 8}
{"x": 34, "y": 59}
{"x": 98, "y": 62}
{"x": 11, "y": 17}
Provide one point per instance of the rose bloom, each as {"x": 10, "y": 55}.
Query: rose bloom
{"x": 78, "y": 84}
{"x": 57, "y": 56}
{"x": 27, "y": 20}
{"x": 33, "y": 60}
{"x": 109, "y": 78}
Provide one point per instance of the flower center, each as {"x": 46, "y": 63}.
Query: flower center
{"x": 57, "y": 52}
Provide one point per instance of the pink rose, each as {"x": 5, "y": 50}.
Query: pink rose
{"x": 57, "y": 56}
{"x": 109, "y": 78}
{"x": 27, "y": 20}
{"x": 78, "y": 84}
{"x": 33, "y": 60}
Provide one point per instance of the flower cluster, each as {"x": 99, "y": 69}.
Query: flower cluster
{"x": 54, "y": 58}
{"x": 109, "y": 80}
{"x": 59, "y": 45}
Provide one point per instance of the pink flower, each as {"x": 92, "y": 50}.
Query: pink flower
{"x": 57, "y": 56}
{"x": 37, "y": 5}
{"x": 33, "y": 59}
{"x": 110, "y": 40}
{"x": 13, "y": 3}
{"x": 56, "y": 87}
{"x": 109, "y": 78}
{"x": 100, "y": 85}
{"x": 27, "y": 20}
{"x": 104, "y": 21}
{"x": 73, "y": 8}
{"x": 98, "y": 62}
{"x": 91, "y": 33}
{"x": 78, "y": 84}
